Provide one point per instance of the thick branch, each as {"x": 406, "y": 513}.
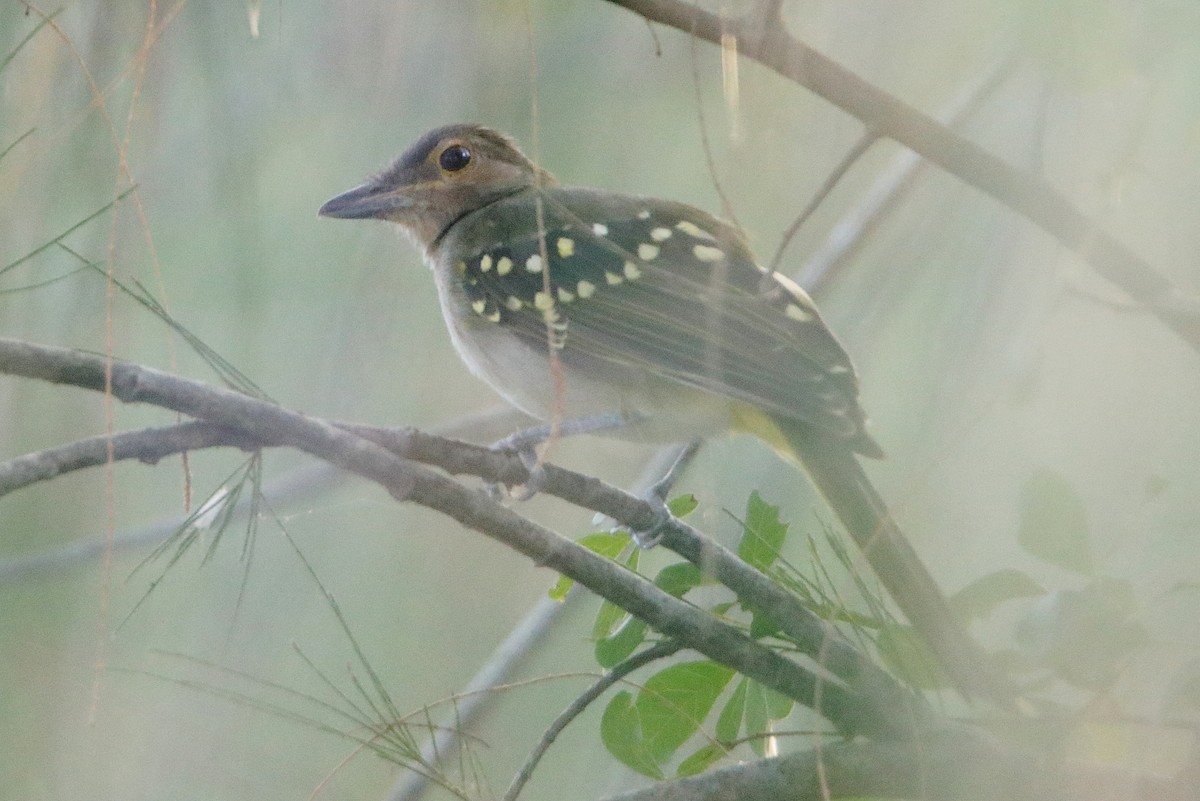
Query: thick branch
{"x": 886, "y": 115}
{"x": 949, "y": 766}
{"x": 815, "y": 637}
{"x": 851, "y": 712}
{"x": 819, "y": 640}
{"x": 940, "y": 768}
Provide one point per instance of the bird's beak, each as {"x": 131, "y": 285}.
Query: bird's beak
{"x": 365, "y": 202}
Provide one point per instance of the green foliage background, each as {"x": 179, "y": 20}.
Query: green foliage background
{"x": 990, "y": 358}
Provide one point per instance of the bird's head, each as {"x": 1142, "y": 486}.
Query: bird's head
{"x": 445, "y": 175}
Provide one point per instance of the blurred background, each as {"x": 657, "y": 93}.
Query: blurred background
{"x": 1017, "y": 394}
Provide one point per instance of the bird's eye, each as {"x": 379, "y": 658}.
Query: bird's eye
{"x": 454, "y": 158}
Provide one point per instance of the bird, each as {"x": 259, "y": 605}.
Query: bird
{"x": 576, "y": 303}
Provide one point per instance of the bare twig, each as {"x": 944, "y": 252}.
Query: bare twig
{"x": 655, "y": 652}
{"x": 295, "y": 486}
{"x": 1027, "y": 194}
{"x": 147, "y": 445}
{"x": 853, "y": 155}
{"x": 855, "y": 226}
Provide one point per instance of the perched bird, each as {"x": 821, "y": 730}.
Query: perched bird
{"x": 578, "y": 303}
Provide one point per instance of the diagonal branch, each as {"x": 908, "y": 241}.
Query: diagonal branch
{"x": 945, "y": 766}
{"x": 886, "y": 115}
{"x": 852, "y": 712}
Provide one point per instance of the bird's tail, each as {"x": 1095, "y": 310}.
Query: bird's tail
{"x": 835, "y": 471}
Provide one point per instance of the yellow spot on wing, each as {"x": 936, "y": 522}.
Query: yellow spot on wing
{"x": 566, "y": 246}
{"x": 693, "y": 230}
{"x": 659, "y": 234}
{"x": 644, "y": 214}
{"x": 600, "y": 229}
{"x": 794, "y": 288}
{"x": 514, "y": 303}
{"x": 565, "y": 296}
{"x": 586, "y": 289}
{"x": 543, "y": 301}
{"x": 534, "y": 263}
{"x": 479, "y": 306}
{"x": 707, "y": 253}
{"x": 646, "y": 251}
{"x": 631, "y": 271}
{"x": 504, "y": 266}
{"x": 485, "y": 263}
{"x": 614, "y": 278}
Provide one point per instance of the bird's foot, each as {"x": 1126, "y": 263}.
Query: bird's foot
{"x": 527, "y": 453}
{"x": 646, "y": 538}
{"x": 657, "y": 494}
{"x": 524, "y": 444}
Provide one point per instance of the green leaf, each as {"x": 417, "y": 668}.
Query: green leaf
{"x": 608, "y": 618}
{"x": 729, "y": 723}
{"x": 634, "y": 558}
{"x": 978, "y": 599}
{"x": 611, "y": 650}
{"x": 678, "y": 578}
{"x": 779, "y": 706}
{"x": 700, "y": 761}
{"x": 561, "y": 587}
{"x": 762, "y": 533}
{"x": 608, "y": 544}
{"x": 621, "y": 733}
{"x": 763, "y": 705}
{"x": 907, "y": 655}
{"x": 683, "y": 505}
{"x": 758, "y": 721}
{"x": 721, "y": 609}
{"x": 674, "y": 703}
{"x": 1054, "y": 525}
{"x": 762, "y": 625}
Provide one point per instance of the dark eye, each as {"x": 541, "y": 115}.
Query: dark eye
{"x": 454, "y": 158}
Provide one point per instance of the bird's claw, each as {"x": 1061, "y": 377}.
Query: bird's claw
{"x": 537, "y": 474}
{"x": 524, "y": 445}
{"x": 649, "y": 537}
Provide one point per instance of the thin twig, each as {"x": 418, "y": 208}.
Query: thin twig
{"x": 854, "y": 227}
{"x": 852, "y": 156}
{"x": 652, "y": 654}
{"x": 1029, "y": 195}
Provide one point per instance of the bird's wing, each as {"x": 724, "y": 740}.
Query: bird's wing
{"x": 668, "y": 288}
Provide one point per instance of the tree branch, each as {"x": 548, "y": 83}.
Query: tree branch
{"x": 147, "y": 445}
{"x": 815, "y": 637}
{"x": 947, "y": 766}
{"x": 618, "y": 672}
{"x": 886, "y": 115}
{"x": 851, "y": 712}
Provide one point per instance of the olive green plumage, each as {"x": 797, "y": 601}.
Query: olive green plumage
{"x": 656, "y": 312}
